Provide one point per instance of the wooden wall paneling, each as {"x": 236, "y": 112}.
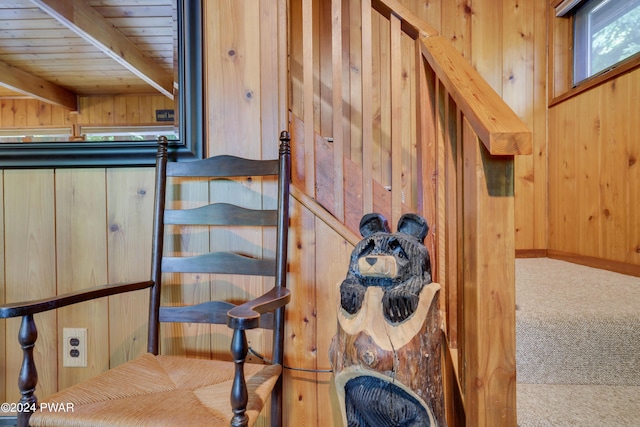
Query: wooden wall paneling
{"x": 337, "y": 73}
{"x": 6, "y": 112}
{"x": 20, "y": 112}
{"x": 130, "y": 194}
{"x": 308, "y": 114}
{"x": 586, "y": 209}
{"x": 145, "y": 105}
{"x": 45, "y": 113}
{"x": 613, "y": 147}
{"x": 552, "y": 175}
{"x": 566, "y": 185}
{"x": 409, "y": 176}
{"x": 323, "y": 38}
{"x": 427, "y": 155}
{"x": 32, "y": 113}
{"x": 346, "y": 37}
{"x": 540, "y": 133}
{"x": 81, "y": 262}
{"x": 62, "y": 116}
{"x": 381, "y": 53}
{"x": 456, "y": 24}
{"x": 120, "y": 110}
{"x": 486, "y": 41}
{"x": 105, "y": 112}
{"x": 591, "y": 161}
{"x": 518, "y": 89}
{"x": 452, "y": 255}
{"x": 83, "y": 105}
{"x": 192, "y": 340}
{"x": 270, "y": 69}
{"x": 317, "y": 32}
{"x": 560, "y": 69}
{"x": 563, "y": 125}
{"x": 429, "y": 11}
{"x": 3, "y": 335}
{"x": 29, "y": 203}
{"x": 397, "y": 115}
{"x": 355, "y": 83}
{"x": 283, "y": 25}
{"x": 90, "y": 110}
{"x": 42, "y": 114}
{"x": 439, "y": 94}
{"x": 296, "y": 72}
{"x": 489, "y": 291}
{"x": 367, "y": 108}
{"x": 233, "y": 78}
{"x": 633, "y": 178}
{"x": 457, "y": 238}
{"x": 133, "y": 112}
{"x": 330, "y": 272}
{"x": 301, "y": 326}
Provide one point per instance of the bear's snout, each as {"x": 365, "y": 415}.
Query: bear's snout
{"x": 378, "y": 266}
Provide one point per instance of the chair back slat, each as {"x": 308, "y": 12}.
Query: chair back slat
{"x": 219, "y": 263}
{"x": 221, "y": 214}
{"x": 207, "y": 312}
{"x": 223, "y": 166}
{"x": 214, "y": 312}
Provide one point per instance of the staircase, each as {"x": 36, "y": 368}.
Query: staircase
{"x": 577, "y": 345}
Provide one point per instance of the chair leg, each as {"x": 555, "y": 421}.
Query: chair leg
{"x": 239, "y": 395}
{"x": 276, "y": 404}
{"x": 28, "y": 378}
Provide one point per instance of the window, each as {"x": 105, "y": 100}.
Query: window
{"x": 606, "y": 32}
{"x": 128, "y": 133}
{"x": 24, "y": 135}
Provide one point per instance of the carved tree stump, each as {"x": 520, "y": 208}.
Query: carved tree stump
{"x": 390, "y": 374}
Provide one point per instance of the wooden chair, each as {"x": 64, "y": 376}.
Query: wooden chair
{"x": 155, "y": 390}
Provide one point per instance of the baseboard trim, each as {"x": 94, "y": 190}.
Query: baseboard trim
{"x": 604, "y": 264}
{"x": 531, "y": 253}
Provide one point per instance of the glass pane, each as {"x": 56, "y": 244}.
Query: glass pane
{"x": 606, "y": 33}
{"x": 616, "y": 41}
{"x": 129, "y": 133}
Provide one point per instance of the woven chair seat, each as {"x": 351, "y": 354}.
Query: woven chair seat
{"x": 160, "y": 391}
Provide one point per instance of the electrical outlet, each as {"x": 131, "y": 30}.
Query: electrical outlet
{"x": 74, "y": 347}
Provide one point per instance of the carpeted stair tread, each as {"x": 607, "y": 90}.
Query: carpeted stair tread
{"x": 576, "y": 324}
{"x": 562, "y": 405}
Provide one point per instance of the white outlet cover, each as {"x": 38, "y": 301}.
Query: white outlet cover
{"x": 81, "y": 360}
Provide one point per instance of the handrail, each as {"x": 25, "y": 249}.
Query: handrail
{"x": 497, "y": 125}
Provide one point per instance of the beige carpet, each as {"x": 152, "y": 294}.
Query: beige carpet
{"x": 577, "y": 345}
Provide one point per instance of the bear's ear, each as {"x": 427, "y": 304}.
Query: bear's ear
{"x": 414, "y": 225}
{"x": 373, "y": 223}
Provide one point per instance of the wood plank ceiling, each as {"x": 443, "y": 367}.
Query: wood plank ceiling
{"x": 57, "y": 50}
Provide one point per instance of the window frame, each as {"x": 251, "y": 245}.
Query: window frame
{"x": 561, "y": 53}
{"x": 582, "y": 36}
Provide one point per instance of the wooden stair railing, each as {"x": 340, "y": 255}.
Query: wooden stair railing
{"x": 388, "y": 117}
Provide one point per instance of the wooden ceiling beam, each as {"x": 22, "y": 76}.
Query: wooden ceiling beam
{"x": 79, "y": 17}
{"x": 20, "y": 81}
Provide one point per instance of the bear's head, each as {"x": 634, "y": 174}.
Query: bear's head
{"x": 387, "y": 259}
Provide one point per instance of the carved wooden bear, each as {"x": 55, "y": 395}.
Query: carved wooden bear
{"x": 386, "y": 354}
{"x": 397, "y": 262}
